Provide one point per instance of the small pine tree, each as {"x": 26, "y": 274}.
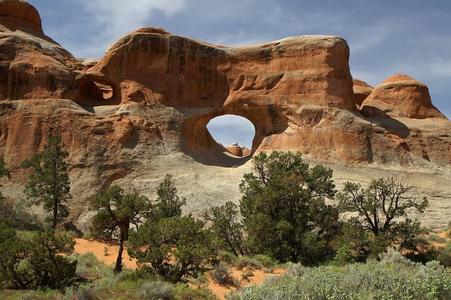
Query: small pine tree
{"x": 3, "y": 172}
{"x": 116, "y": 211}
{"x": 168, "y": 203}
{"x": 225, "y": 224}
{"x": 382, "y": 210}
{"x": 48, "y": 182}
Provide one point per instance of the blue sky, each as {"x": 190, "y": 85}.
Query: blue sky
{"x": 386, "y": 37}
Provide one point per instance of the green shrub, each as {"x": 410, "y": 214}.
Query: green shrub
{"x": 81, "y": 292}
{"x": 247, "y": 274}
{"x": 30, "y": 261}
{"x": 394, "y": 278}
{"x": 223, "y": 276}
{"x": 229, "y": 258}
{"x": 89, "y": 266}
{"x": 265, "y": 260}
{"x": 444, "y": 256}
{"x": 249, "y": 262}
{"x": 156, "y": 290}
{"x": 183, "y": 291}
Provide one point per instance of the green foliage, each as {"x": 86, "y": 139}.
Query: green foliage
{"x": 223, "y": 276}
{"x": 229, "y": 258}
{"x": 382, "y": 217}
{"x": 115, "y": 212}
{"x": 283, "y": 208}
{"x": 393, "y": 278}
{"x": 4, "y": 171}
{"x": 250, "y": 263}
{"x": 225, "y": 224}
{"x": 168, "y": 203}
{"x": 6, "y": 205}
{"x": 174, "y": 247}
{"x": 34, "y": 261}
{"x": 265, "y": 260}
{"x": 18, "y": 214}
{"x": 444, "y": 256}
{"x": 48, "y": 182}
{"x": 157, "y": 290}
{"x": 89, "y": 266}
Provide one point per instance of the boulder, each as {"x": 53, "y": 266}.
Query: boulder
{"x": 400, "y": 96}
{"x": 361, "y": 90}
{"x": 32, "y": 65}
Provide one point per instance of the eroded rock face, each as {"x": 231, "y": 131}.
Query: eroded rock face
{"x": 32, "y": 65}
{"x": 141, "y": 111}
{"x": 400, "y": 96}
{"x": 361, "y": 91}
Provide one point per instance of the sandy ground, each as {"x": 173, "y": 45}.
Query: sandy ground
{"x": 257, "y": 278}
{"x": 107, "y": 253}
{"x": 104, "y": 251}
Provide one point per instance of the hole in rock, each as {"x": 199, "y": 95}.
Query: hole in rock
{"x": 95, "y": 92}
{"x": 234, "y": 133}
{"x": 105, "y": 89}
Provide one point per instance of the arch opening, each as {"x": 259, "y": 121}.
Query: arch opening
{"x": 234, "y": 133}
{"x": 95, "y": 92}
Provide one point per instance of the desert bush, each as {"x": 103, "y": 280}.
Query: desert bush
{"x": 174, "y": 248}
{"x": 229, "y": 258}
{"x": 222, "y": 275}
{"x": 183, "y": 291}
{"x": 34, "y": 261}
{"x": 249, "y": 262}
{"x": 394, "y": 278}
{"x": 89, "y": 266}
{"x": 81, "y": 292}
{"x": 265, "y": 260}
{"x": 444, "y": 256}
{"x": 296, "y": 270}
{"x": 247, "y": 274}
{"x": 156, "y": 290}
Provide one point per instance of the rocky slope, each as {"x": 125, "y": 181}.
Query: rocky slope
{"x": 141, "y": 111}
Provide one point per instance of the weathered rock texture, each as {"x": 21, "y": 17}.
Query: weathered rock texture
{"x": 141, "y": 111}
{"x": 361, "y": 91}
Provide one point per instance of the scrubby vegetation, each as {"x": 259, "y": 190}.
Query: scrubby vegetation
{"x": 393, "y": 277}
{"x": 116, "y": 211}
{"x": 285, "y": 216}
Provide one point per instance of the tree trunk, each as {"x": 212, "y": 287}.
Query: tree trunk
{"x": 55, "y": 214}
{"x": 118, "y": 267}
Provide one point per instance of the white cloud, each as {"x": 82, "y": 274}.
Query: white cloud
{"x": 118, "y": 17}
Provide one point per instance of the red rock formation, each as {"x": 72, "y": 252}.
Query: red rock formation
{"x": 20, "y": 14}
{"x": 235, "y": 150}
{"x": 148, "y": 101}
{"x": 400, "y": 96}
{"x": 361, "y": 91}
{"x": 32, "y": 66}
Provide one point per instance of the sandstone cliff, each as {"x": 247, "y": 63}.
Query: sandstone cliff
{"x": 141, "y": 111}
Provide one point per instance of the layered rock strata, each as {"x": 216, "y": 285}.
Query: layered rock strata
{"x": 141, "y": 111}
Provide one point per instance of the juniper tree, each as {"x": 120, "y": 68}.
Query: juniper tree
{"x": 48, "y": 182}
{"x": 116, "y": 211}
{"x": 284, "y": 210}
{"x": 382, "y": 210}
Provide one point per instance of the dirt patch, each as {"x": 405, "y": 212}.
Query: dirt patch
{"x": 104, "y": 251}
{"x": 107, "y": 253}
{"x": 257, "y": 278}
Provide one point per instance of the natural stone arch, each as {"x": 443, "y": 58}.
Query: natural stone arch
{"x": 199, "y": 143}
{"x": 98, "y": 90}
{"x": 233, "y": 132}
